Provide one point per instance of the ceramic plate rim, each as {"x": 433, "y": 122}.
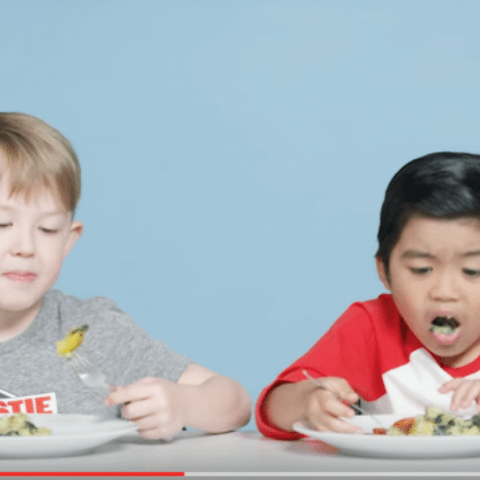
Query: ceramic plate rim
{"x": 393, "y": 446}
{"x": 64, "y": 443}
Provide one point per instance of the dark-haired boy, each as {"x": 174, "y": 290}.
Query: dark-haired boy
{"x": 412, "y": 348}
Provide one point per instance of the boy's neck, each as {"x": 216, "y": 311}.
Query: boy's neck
{"x": 14, "y": 323}
{"x": 453, "y": 362}
{"x": 463, "y": 359}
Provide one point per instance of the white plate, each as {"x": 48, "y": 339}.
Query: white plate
{"x": 393, "y": 446}
{"x": 71, "y": 435}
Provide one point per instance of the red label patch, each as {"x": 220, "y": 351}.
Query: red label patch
{"x": 43, "y": 403}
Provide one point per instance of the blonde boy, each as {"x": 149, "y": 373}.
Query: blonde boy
{"x": 160, "y": 390}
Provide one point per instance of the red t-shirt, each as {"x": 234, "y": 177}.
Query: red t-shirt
{"x": 372, "y": 347}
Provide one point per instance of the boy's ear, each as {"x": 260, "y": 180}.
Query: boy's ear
{"x": 76, "y": 229}
{"x": 382, "y": 274}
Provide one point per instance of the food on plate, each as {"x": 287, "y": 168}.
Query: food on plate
{"x": 436, "y": 421}
{"x": 20, "y": 425}
{"x": 73, "y": 340}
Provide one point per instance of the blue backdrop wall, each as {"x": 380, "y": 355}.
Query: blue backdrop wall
{"x": 235, "y": 153}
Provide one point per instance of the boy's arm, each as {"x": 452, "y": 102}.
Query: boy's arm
{"x": 200, "y": 399}
{"x": 214, "y": 403}
{"x": 347, "y": 352}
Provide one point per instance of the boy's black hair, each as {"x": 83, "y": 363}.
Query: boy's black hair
{"x": 444, "y": 185}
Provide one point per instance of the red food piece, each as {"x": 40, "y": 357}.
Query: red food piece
{"x": 380, "y": 431}
{"x": 405, "y": 424}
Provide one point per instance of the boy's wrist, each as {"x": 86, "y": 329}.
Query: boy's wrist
{"x": 286, "y": 404}
{"x": 188, "y": 401}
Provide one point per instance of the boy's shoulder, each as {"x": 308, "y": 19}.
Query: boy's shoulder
{"x": 71, "y": 301}
{"x": 380, "y": 306}
{"x": 367, "y": 314}
{"x": 383, "y": 301}
{"x": 96, "y": 312}
{"x": 376, "y": 323}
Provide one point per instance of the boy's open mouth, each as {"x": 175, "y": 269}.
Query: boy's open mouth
{"x": 444, "y": 326}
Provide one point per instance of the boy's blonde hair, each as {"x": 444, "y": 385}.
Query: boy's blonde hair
{"x": 38, "y": 156}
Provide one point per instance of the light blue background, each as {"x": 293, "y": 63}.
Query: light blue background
{"x": 235, "y": 153}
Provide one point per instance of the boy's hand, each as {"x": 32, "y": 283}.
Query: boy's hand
{"x": 154, "y": 404}
{"x": 465, "y": 392}
{"x": 323, "y": 407}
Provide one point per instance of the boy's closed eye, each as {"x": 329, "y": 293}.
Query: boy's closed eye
{"x": 423, "y": 270}
{"x": 49, "y": 231}
{"x": 471, "y": 272}
{"x": 420, "y": 271}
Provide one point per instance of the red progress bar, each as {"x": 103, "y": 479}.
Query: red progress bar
{"x": 92, "y": 474}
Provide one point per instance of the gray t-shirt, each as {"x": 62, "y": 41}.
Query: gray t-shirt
{"x": 30, "y": 364}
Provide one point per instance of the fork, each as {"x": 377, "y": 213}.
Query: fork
{"x": 318, "y": 383}
{"x": 90, "y": 374}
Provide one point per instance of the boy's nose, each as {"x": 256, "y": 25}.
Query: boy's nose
{"x": 22, "y": 245}
{"x": 443, "y": 288}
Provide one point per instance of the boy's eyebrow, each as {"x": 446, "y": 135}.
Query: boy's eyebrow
{"x": 416, "y": 254}
{"x": 473, "y": 253}
{"x": 44, "y": 214}
{"x": 420, "y": 254}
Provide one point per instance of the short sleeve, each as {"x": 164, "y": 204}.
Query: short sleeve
{"x": 123, "y": 350}
{"x": 347, "y": 350}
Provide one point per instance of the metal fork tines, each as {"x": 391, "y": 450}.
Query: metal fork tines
{"x": 90, "y": 374}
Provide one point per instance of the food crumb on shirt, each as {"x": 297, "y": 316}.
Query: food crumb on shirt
{"x": 72, "y": 341}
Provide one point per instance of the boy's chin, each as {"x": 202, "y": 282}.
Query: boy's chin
{"x": 19, "y": 304}
{"x": 444, "y": 350}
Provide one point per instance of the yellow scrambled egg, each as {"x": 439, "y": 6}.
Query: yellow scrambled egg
{"x": 20, "y": 425}
{"x": 436, "y": 421}
{"x": 74, "y": 339}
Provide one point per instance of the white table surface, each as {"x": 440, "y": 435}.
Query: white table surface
{"x": 242, "y": 451}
